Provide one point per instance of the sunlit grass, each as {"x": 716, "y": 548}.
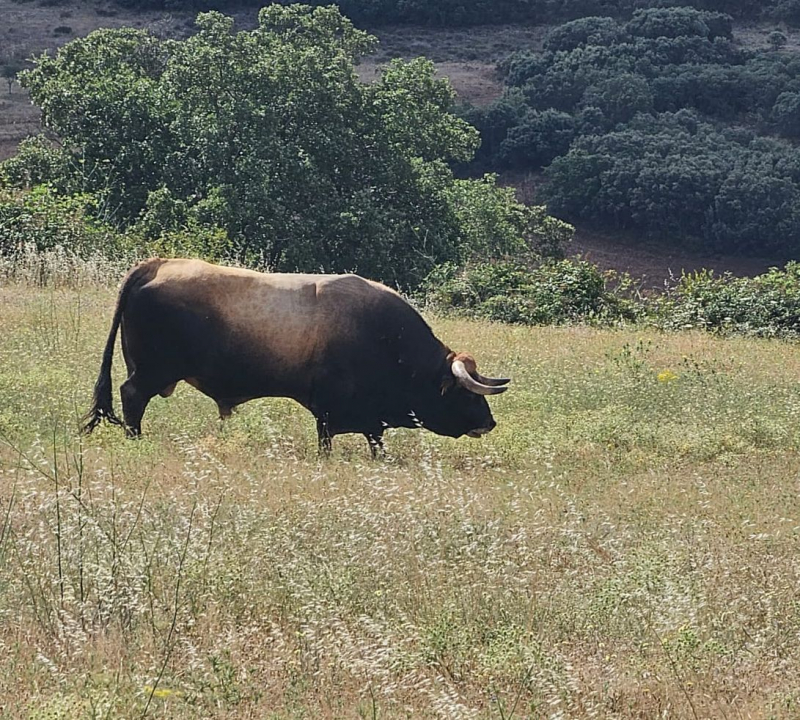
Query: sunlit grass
{"x": 624, "y": 544}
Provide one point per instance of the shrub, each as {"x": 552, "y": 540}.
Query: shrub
{"x": 679, "y": 22}
{"x": 46, "y": 221}
{"x": 585, "y": 31}
{"x": 538, "y": 139}
{"x": 38, "y": 161}
{"x": 767, "y": 305}
{"x": 552, "y": 292}
{"x": 493, "y": 224}
{"x": 41, "y": 221}
{"x": 786, "y": 114}
{"x": 776, "y": 39}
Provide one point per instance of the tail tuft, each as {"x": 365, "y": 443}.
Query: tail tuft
{"x": 102, "y": 403}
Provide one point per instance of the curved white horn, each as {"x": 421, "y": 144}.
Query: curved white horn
{"x": 470, "y": 383}
{"x": 491, "y": 382}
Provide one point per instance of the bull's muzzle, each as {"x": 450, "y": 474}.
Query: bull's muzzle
{"x": 480, "y": 432}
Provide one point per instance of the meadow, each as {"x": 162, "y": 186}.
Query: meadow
{"x": 624, "y": 544}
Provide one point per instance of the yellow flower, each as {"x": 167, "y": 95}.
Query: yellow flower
{"x": 666, "y": 376}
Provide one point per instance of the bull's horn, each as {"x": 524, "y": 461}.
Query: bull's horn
{"x": 470, "y": 383}
{"x": 491, "y": 382}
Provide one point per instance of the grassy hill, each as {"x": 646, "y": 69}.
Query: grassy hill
{"x": 624, "y": 544}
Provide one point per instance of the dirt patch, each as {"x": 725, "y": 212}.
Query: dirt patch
{"x": 18, "y": 119}
{"x": 657, "y": 263}
{"x": 28, "y": 29}
{"x": 484, "y": 44}
{"x": 754, "y": 36}
{"x": 474, "y": 82}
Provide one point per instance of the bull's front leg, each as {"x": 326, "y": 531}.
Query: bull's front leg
{"x": 376, "y": 447}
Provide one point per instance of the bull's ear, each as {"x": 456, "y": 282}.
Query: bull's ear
{"x": 448, "y": 381}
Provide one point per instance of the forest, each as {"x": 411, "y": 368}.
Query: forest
{"x": 660, "y": 123}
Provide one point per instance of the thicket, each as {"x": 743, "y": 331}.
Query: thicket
{"x": 573, "y": 291}
{"x": 659, "y": 124}
{"x": 767, "y": 305}
{"x": 482, "y": 12}
{"x": 265, "y": 147}
{"x": 551, "y": 292}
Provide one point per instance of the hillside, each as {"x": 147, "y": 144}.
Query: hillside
{"x": 467, "y": 57}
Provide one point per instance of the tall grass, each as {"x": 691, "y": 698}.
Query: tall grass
{"x": 59, "y": 267}
{"x": 624, "y": 544}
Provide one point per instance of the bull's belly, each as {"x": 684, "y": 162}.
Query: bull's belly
{"x": 228, "y": 392}
{"x": 346, "y": 410}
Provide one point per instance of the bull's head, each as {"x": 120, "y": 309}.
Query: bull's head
{"x": 463, "y": 409}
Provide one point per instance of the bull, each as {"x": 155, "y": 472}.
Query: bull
{"x": 351, "y": 351}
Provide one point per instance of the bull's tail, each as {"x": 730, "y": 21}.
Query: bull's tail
{"x": 102, "y": 403}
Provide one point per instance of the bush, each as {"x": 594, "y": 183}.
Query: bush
{"x": 570, "y": 291}
{"x": 585, "y": 31}
{"x": 776, "y": 39}
{"x": 37, "y": 162}
{"x": 766, "y": 306}
{"x": 679, "y": 22}
{"x": 47, "y": 221}
{"x": 552, "y": 292}
{"x": 786, "y": 114}
{"x": 41, "y": 221}
{"x": 538, "y": 139}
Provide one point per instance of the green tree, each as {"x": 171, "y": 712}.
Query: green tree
{"x": 9, "y": 72}
{"x": 786, "y": 114}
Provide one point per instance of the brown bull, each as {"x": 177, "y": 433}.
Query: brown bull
{"x": 350, "y": 350}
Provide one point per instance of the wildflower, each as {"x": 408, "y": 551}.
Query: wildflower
{"x": 666, "y": 376}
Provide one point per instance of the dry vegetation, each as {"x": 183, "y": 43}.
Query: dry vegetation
{"x": 625, "y": 544}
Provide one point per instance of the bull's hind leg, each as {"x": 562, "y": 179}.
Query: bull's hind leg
{"x": 324, "y": 435}
{"x": 134, "y": 403}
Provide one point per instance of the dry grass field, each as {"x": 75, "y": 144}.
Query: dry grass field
{"x": 624, "y": 544}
